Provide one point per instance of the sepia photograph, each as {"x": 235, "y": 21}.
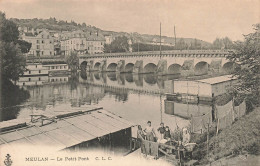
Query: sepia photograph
{"x": 129, "y": 82}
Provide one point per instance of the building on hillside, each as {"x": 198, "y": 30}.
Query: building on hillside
{"x": 82, "y": 42}
{"x": 42, "y": 43}
{"x": 109, "y": 39}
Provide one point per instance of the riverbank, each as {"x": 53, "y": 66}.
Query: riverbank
{"x": 242, "y": 138}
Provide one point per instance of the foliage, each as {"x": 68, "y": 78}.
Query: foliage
{"x": 222, "y": 43}
{"x": 120, "y": 44}
{"x": 149, "y": 47}
{"x": 24, "y": 46}
{"x": 8, "y": 30}
{"x": 73, "y": 61}
{"x": 247, "y": 58}
{"x": 53, "y": 24}
{"x": 13, "y": 63}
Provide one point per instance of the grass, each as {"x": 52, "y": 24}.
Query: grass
{"x": 242, "y": 137}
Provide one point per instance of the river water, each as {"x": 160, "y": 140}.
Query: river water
{"x": 137, "y": 98}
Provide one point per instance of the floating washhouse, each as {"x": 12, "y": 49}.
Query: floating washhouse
{"x": 82, "y": 130}
{"x": 205, "y": 87}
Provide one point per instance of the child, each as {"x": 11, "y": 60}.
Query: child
{"x": 167, "y": 133}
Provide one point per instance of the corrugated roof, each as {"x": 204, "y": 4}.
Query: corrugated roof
{"x": 215, "y": 80}
{"x": 68, "y": 131}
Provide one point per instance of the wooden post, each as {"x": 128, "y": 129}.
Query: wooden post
{"x": 217, "y": 127}
{"x": 208, "y": 142}
{"x": 191, "y": 126}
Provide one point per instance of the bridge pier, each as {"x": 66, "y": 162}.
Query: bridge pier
{"x": 103, "y": 66}
{"x": 138, "y": 67}
{"x": 188, "y": 68}
{"x": 162, "y": 67}
{"x": 120, "y": 68}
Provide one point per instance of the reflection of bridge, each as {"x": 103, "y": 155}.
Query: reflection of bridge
{"x": 143, "y": 83}
{"x": 186, "y": 62}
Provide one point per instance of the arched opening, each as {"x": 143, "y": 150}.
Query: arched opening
{"x": 97, "y": 75}
{"x": 174, "y": 69}
{"x": 83, "y": 66}
{"x": 129, "y": 67}
{"x": 201, "y": 68}
{"x": 83, "y": 75}
{"x": 129, "y": 77}
{"x": 112, "y": 76}
{"x": 228, "y": 68}
{"x": 150, "y": 68}
{"x": 112, "y": 67}
{"x": 97, "y": 66}
{"x": 150, "y": 79}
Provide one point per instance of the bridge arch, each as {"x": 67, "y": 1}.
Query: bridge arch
{"x": 129, "y": 67}
{"x": 112, "y": 67}
{"x": 83, "y": 66}
{"x": 112, "y": 76}
{"x": 150, "y": 68}
{"x": 228, "y": 67}
{"x": 174, "y": 69}
{"x": 83, "y": 75}
{"x": 97, "y": 75}
{"x": 201, "y": 68}
{"x": 97, "y": 66}
{"x": 129, "y": 77}
{"x": 150, "y": 79}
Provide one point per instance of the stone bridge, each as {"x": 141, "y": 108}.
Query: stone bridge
{"x": 184, "y": 62}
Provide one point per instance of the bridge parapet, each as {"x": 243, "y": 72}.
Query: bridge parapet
{"x": 175, "y": 53}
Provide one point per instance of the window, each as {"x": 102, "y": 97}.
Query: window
{"x": 36, "y": 66}
{"x": 42, "y": 52}
{"x": 50, "y": 42}
{"x": 50, "y": 53}
{"x": 38, "y": 46}
{"x": 29, "y": 72}
{"x": 42, "y": 36}
{"x": 42, "y": 41}
{"x": 40, "y": 71}
{"x": 37, "y": 41}
{"x": 60, "y": 67}
{"x": 39, "y": 78}
{"x": 52, "y": 67}
{"x": 29, "y": 79}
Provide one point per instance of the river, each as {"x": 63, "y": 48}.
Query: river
{"x": 137, "y": 98}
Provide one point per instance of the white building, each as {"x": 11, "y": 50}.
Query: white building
{"x": 205, "y": 87}
{"x": 82, "y": 43}
{"x": 42, "y": 44}
{"x": 35, "y": 69}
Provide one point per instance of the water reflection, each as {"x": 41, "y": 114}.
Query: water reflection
{"x": 135, "y": 97}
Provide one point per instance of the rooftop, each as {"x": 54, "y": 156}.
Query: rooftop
{"x": 64, "y": 130}
{"x": 215, "y": 80}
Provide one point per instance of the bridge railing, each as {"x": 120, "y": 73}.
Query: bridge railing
{"x": 225, "y": 52}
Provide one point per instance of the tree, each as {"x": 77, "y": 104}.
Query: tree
{"x": 181, "y": 45}
{"x": 24, "y": 46}
{"x": 8, "y": 30}
{"x": 222, "y": 43}
{"x": 73, "y": 61}
{"x": 12, "y": 60}
{"x": 247, "y": 57}
{"x": 120, "y": 44}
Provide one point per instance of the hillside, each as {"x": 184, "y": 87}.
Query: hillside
{"x": 60, "y": 25}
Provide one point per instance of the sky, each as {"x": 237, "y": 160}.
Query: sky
{"x": 201, "y": 19}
